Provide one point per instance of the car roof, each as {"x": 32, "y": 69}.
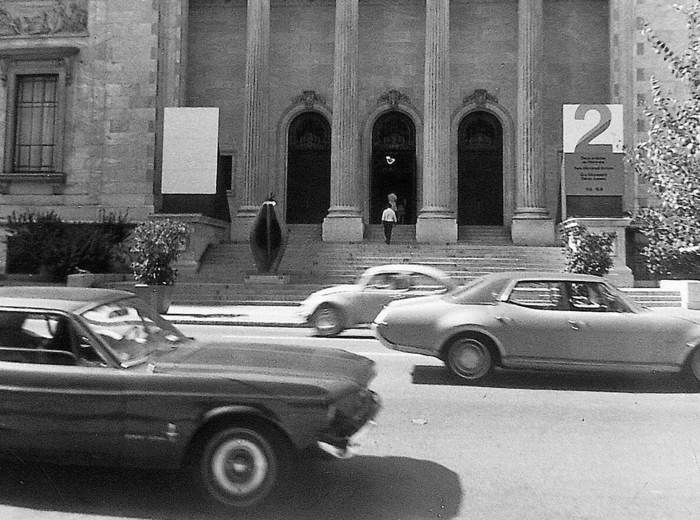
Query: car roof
{"x": 406, "y": 268}
{"x": 543, "y": 275}
{"x": 410, "y": 268}
{"x": 68, "y": 299}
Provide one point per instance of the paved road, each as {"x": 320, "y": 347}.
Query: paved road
{"x": 527, "y": 446}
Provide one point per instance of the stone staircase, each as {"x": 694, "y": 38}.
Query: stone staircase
{"x": 311, "y": 264}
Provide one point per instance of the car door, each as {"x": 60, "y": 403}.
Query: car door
{"x": 50, "y": 408}
{"x": 605, "y": 331}
{"x": 379, "y": 291}
{"x": 531, "y": 324}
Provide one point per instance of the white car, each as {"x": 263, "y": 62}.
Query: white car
{"x": 334, "y": 309}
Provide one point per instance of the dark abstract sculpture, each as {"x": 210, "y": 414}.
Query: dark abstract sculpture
{"x": 266, "y": 238}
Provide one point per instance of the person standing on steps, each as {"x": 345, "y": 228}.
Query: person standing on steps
{"x": 388, "y": 221}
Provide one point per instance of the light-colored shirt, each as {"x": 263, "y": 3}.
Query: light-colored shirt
{"x": 388, "y": 215}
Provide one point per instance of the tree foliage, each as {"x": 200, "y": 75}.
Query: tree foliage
{"x": 154, "y": 246}
{"x": 586, "y": 252}
{"x": 669, "y": 160}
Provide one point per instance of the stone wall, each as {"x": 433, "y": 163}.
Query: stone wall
{"x": 110, "y": 111}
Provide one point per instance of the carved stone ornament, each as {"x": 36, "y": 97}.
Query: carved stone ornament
{"x": 393, "y": 97}
{"x": 309, "y": 98}
{"x": 43, "y": 17}
{"x": 480, "y": 97}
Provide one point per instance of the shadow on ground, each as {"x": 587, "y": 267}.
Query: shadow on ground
{"x": 377, "y": 488}
{"x": 574, "y": 381}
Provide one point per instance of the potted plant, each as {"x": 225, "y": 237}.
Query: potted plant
{"x": 154, "y": 246}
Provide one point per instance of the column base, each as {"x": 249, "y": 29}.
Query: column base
{"x": 533, "y": 231}
{"x": 242, "y": 224}
{"x": 343, "y": 229}
{"x": 436, "y": 230}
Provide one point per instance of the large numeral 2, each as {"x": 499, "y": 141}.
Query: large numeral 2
{"x": 584, "y": 144}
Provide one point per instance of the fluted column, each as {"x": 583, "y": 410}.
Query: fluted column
{"x": 255, "y": 118}
{"x": 344, "y": 222}
{"x": 531, "y": 222}
{"x": 436, "y": 222}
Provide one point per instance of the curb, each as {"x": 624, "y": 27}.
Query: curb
{"x": 237, "y": 323}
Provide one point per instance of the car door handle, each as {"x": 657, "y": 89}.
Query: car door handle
{"x": 574, "y": 325}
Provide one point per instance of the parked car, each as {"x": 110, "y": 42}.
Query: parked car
{"x": 542, "y": 321}
{"x": 95, "y": 376}
{"x": 334, "y": 309}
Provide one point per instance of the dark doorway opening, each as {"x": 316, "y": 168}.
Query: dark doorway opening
{"x": 308, "y": 169}
{"x": 480, "y": 170}
{"x": 393, "y": 166}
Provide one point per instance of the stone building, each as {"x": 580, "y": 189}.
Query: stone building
{"x": 454, "y": 105}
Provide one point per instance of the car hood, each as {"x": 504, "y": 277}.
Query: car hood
{"x": 245, "y": 361}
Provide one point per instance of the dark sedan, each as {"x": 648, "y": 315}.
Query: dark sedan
{"x": 95, "y": 376}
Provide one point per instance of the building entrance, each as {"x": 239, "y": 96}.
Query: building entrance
{"x": 308, "y": 169}
{"x": 393, "y": 166}
{"x": 480, "y": 170}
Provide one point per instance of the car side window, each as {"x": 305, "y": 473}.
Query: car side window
{"x": 543, "y": 295}
{"x": 594, "y": 297}
{"x": 379, "y": 281}
{"x": 423, "y": 284}
{"x": 388, "y": 282}
{"x": 41, "y": 338}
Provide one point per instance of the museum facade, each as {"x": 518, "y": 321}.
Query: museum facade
{"x": 326, "y": 106}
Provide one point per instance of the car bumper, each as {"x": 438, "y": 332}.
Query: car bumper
{"x": 377, "y": 329}
{"x": 345, "y": 434}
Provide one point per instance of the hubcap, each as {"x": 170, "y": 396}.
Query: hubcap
{"x": 239, "y": 466}
{"x": 326, "y": 320}
{"x": 470, "y": 358}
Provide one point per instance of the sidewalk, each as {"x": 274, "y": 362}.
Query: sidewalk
{"x": 251, "y": 315}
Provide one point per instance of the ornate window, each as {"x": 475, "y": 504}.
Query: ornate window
{"x": 36, "y": 81}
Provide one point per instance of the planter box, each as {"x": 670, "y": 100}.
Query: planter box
{"x": 158, "y": 296}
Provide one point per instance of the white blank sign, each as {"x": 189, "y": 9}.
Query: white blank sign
{"x": 190, "y": 150}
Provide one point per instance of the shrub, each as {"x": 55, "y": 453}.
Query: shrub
{"x": 587, "y": 253}
{"x": 154, "y": 246}
{"x": 43, "y": 241}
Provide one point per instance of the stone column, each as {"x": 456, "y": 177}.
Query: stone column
{"x": 172, "y": 56}
{"x": 531, "y": 224}
{"x": 255, "y": 119}
{"x": 344, "y": 221}
{"x": 622, "y": 28}
{"x": 436, "y": 222}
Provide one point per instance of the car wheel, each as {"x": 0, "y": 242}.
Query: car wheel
{"x": 469, "y": 358}
{"x": 327, "y": 320}
{"x": 239, "y": 466}
{"x": 694, "y": 364}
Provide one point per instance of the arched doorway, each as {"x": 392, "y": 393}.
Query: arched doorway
{"x": 480, "y": 170}
{"x": 308, "y": 169}
{"x": 393, "y": 166}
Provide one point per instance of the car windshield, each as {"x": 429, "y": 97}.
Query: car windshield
{"x": 480, "y": 290}
{"x": 132, "y": 330}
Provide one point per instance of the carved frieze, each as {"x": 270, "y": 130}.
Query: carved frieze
{"x": 309, "y": 98}
{"x": 393, "y": 97}
{"x": 43, "y": 17}
{"x": 480, "y": 97}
